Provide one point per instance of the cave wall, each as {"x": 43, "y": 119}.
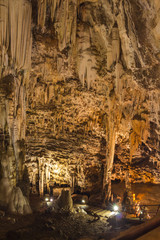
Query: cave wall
{"x": 92, "y": 96}
{"x": 94, "y": 93}
{"x": 15, "y": 63}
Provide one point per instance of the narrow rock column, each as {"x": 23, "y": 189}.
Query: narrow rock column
{"x": 128, "y": 186}
{"x": 127, "y": 180}
{"x": 73, "y": 182}
{"x": 109, "y": 54}
{"x": 109, "y": 163}
{"x": 41, "y": 177}
{"x": 115, "y": 44}
{"x": 47, "y": 177}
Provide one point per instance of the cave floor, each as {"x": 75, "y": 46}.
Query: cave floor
{"x": 56, "y": 226}
{"x": 75, "y": 226}
{"x": 53, "y": 226}
{"x": 43, "y": 225}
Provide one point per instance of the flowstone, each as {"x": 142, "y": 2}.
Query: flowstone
{"x": 64, "y": 202}
{"x": 11, "y": 197}
{"x": 18, "y": 203}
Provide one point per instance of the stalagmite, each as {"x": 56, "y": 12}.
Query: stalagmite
{"x": 11, "y": 197}
{"x": 64, "y": 202}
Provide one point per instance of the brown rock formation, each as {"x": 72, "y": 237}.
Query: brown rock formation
{"x": 15, "y": 53}
{"x": 90, "y": 107}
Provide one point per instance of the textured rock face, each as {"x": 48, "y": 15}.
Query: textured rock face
{"x": 93, "y": 96}
{"x": 64, "y": 202}
{"x": 15, "y": 62}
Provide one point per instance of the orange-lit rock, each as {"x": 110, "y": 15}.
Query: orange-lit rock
{"x": 89, "y": 103}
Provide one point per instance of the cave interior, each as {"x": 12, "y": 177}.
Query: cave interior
{"x": 79, "y": 106}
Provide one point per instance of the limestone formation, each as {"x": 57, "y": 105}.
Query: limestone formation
{"x": 64, "y": 202}
{"x": 18, "y": 204}
{"x": 90, "y": 108}
{"x": 111, "y": 58}
{"x": 15, "y": 63}
{"x": 11, "y": 197}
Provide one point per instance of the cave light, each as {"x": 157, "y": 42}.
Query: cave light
{"x": 115, "y": 208}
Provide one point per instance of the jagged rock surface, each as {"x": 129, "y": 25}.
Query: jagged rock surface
{"x": 93, "y": 93}
{"x": 15, "y": 63}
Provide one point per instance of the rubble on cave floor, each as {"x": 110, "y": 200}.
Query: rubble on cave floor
{"x": 53, "y": 226}
{"x": 45, "y": 225}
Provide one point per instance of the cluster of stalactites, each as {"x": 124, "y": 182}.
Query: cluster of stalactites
{"x": 64, "y": 17}
{"x": 15, "y": 35}
{"x": 42, "y": 8}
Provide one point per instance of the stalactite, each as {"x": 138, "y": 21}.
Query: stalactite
{"x": 115, "y": 44}
{"x": 139, "y": 134}
{"x": 86, "y": 63}
{"x": 42, "y": 5}
{"x": 129, "y": 41}
{"x": 15, "y": 62}
{"x": 110, "y": 148}
{"x": 41, "y": 176}
{"x": 64, "y": 17}
{"x": 42, "y": 8}
{"x": 15, "y": 35}
{"x": 53, "y": 5}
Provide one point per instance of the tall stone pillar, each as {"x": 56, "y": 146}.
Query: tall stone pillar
{"x": 128, "y": 186}
{"x": 41, "y": 177}
{"x": 47, "y": 177}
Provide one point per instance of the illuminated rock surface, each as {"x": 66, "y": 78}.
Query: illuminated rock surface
{"x": 84, "y": 93}
{"x": 94, "y": 92}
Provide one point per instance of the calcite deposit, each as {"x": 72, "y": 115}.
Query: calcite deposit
{"x": 80, "y": 91}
